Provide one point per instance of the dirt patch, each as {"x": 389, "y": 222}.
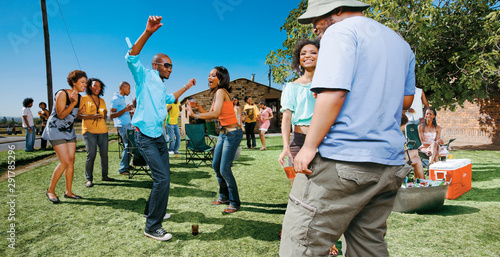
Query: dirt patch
{"x": 27, "y": 167}
{"x": 47, "y": 160}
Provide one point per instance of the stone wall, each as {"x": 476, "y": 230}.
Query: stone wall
{"x": 476, "y": 122}
{"x": 241, "y": 88}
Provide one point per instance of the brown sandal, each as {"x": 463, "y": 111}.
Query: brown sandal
{"x": 231, "y": 209}
{"x": 219, "y": 201}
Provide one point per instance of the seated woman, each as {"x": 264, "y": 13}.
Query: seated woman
{"x": 416, "y": 163}
{"x": 430, "y": 135}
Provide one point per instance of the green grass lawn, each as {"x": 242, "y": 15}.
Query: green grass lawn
{"x": 109, "y": 221}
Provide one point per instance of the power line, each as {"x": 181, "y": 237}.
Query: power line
{"x": 265, "y": 73}
{"x": 67, "y": 31}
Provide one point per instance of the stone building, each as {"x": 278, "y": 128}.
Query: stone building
{"x": 243, "y": 87}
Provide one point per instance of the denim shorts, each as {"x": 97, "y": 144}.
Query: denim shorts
{"x": 62, "y": 141}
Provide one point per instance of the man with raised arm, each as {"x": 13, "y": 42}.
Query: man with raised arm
{"x": 150, "y": 113}
{"x": 353, "y": 153}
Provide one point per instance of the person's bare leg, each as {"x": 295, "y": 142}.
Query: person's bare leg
{"x": 262, "y": 139}
{"x": 70, "y": 170}
{"x": 418, "y": 168}
{"x": 63, "y": 156}
{"x": 434, "y": 152}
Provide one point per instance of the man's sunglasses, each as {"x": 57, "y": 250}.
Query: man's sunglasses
{"x": 166, "y": 65}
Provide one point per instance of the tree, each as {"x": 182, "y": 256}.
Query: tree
{"x": 12, "y": 122}
{"x": 456, "y": 45}
{"x": 281, "y": 59}
{"x": 4, "y": 120}
{"x": 37, "y": 121}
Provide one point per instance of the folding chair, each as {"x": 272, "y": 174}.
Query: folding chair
{"x": 121, "y": 145}
{"x": 211, "y": 132}
{"x": 138, "y": 161}
{"x": 196, "y": 145}
{"x": 411, "y": 133}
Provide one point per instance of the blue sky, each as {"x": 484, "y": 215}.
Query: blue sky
{"x": 197, "y": 35}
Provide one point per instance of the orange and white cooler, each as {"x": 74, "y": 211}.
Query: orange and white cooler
{"x": 456, "y": 171}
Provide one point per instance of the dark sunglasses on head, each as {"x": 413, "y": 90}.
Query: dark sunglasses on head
{"x": 166, "y": 65}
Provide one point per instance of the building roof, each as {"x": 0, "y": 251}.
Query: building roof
{"x": 232, "y": 82}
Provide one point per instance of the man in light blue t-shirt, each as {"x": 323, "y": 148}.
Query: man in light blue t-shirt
{"x": 353, "y": 152}
{"x": 120, "y": 113}
{"x": 151, "y": 111}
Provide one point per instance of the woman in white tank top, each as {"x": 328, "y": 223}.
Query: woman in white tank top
{"x": 430, "y": 135}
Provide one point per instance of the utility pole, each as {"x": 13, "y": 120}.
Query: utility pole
{"x": 48, "y": 65}
{"x": 269, "y": 77}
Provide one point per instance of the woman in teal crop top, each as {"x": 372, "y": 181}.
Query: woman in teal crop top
{"x": 297, "y": 100}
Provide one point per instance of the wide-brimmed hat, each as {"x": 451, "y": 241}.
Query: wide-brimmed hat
{"x": 318, "y": 8}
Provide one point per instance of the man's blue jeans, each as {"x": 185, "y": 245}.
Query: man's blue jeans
{"x": 124, "y": 163}
{"x": 155, "y": 152}
{"x": 30, "y": 139}
{"x": 224, "y": 152}
{"x": 174, "y": 137}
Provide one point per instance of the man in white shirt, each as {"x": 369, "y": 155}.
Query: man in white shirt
{"x": 28, "y": 124}
{"x": 416, "y": 112}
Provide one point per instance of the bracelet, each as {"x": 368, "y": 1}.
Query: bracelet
{"x": 197, "y": 115}
{"x": 186, "y": 87}
{"x": 285, "y": 147}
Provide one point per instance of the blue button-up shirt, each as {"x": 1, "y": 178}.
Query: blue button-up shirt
{"x": 151, "y": 97}
{"x": 118, "y": 103}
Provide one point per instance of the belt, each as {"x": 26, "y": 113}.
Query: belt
{"x": 227, "y": 130}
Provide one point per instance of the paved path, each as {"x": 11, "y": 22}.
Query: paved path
{"x": 19, "y": 142}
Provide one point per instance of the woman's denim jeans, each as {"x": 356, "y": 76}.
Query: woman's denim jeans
{"x": 224, "y": 152}
{"x": 155, "y": 152}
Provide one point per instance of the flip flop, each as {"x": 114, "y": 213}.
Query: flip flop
{"x": 231, "y": 209}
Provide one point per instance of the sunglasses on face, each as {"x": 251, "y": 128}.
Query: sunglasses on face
{"x": 166, "y": 65}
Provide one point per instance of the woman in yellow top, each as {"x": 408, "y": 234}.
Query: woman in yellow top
{"x": 94, "y": 129}
{"x": 252, "y": 114}
{"x": 229, "y": 138}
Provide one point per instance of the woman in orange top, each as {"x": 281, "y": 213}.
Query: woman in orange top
{"x": 229, "y": 138}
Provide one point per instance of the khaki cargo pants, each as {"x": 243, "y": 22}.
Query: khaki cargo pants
{"x": 338, "y": 198}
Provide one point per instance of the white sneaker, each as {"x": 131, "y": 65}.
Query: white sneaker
{"x": 159, "y": 234}
{"x": 170, "y": 152}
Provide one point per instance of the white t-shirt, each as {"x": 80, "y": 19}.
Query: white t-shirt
{"x": 417, "y": 106}
{"x": 27, "y": 112}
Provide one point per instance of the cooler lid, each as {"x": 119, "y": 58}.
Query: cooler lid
{"x": 450, "y": 164}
